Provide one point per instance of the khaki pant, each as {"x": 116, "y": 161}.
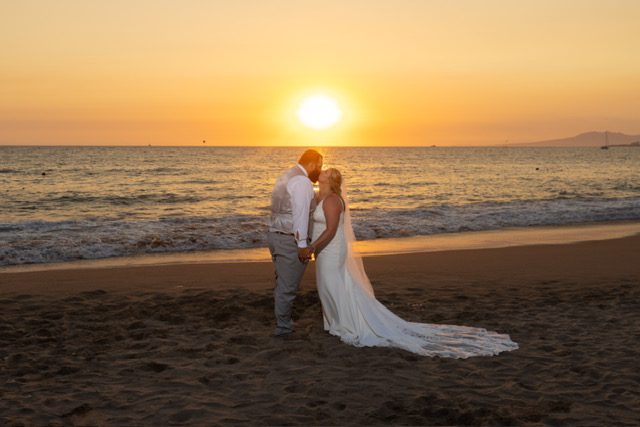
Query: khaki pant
{"x": 289, "y": 272}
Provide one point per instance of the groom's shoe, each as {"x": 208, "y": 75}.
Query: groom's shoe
{"x": 283, "y": 333}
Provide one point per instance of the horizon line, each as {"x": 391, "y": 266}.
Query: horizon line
{"x": 284, "y": 146}
{"x": 510, "y": 145}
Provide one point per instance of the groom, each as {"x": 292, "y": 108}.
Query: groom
{"x": 292, "y": 204}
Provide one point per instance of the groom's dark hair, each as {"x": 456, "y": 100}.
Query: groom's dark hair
{"x": 309, "y": 156}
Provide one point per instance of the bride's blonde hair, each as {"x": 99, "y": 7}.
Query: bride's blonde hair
{"x": 335, "y": 181}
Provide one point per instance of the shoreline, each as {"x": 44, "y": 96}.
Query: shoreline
{"x": 467, "y": 240}
{"x": 576, "y": 263}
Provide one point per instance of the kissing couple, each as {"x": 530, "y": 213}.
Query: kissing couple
{"x": 305, "y": 224}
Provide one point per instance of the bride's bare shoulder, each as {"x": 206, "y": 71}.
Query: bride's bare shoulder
{"x": 333, "y": 202}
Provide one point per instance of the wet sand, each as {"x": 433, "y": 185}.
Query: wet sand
{"x": 190, "y": 344}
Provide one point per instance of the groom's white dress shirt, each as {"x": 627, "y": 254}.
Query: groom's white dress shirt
{"x": 300, "y": 191}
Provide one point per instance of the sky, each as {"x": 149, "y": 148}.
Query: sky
{"x": 404, "y": 72}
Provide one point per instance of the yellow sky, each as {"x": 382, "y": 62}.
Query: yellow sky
{"x": 406, "y": 72}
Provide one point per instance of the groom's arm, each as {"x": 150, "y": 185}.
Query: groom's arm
{"x": 301, "y": 191}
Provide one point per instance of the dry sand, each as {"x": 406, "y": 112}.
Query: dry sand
{"x": 191, "y": 344}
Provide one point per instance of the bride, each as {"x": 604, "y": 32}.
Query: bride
{"x": 349, "y": 307}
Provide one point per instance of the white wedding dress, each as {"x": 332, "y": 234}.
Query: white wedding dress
{"x": 351, "y": 311}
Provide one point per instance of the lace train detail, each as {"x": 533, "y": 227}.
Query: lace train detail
{"x": 351, "y": 311}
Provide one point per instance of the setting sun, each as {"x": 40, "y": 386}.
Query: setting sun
{"x": 319, "y": 112}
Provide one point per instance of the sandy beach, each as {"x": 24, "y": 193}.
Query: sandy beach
{"x": 190, "y": 344}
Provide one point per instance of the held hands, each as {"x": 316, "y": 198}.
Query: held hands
{"x": 306, "y": 254}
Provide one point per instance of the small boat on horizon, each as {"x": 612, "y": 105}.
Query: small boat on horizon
{"x": 606, "y": 141}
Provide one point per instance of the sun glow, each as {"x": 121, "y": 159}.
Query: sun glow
{"x": 319, "y": 112}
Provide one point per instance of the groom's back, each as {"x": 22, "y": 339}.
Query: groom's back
{"x": 281, "y": 210}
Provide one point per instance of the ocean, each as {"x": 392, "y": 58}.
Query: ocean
{"x": 70, "y": 203}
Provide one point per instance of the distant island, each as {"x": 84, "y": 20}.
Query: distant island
{"x": 588, "y": 139}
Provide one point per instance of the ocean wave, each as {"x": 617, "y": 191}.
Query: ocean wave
{"x": 373, "y": 223}
{"x": 167, "y": 171}
{"x": 627, "y": 186}
{"x": 145, "y": 198}
{"x": 91, "y": 238}
{"x": 200, "y": 181}
{"x": 56, "y": 241}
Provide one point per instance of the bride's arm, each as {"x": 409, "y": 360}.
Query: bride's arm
{"x": 332, "y": 207}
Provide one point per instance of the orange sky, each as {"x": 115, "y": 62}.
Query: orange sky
{"x": 406, "y": 72}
